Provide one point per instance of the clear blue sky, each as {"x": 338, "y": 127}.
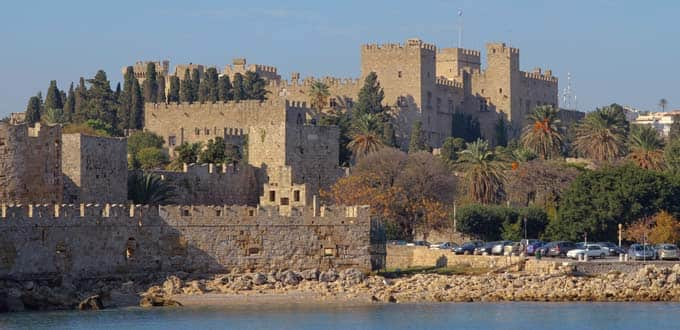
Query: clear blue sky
{"x": 617, "y": 51}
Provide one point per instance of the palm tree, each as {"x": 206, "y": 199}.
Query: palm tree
{"x": 646, "y": 147}
{"x": 662, "y": 104}
{"x": 602, "y": 134}
{"x": 149, "y": 189}
{"x": 366, "y": 138}
{"x": 318, "y": 94}
{"x": 542, "y": 135}
{"x": 484, "y": 175}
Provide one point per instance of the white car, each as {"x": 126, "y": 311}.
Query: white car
{"x": 443, "y": 245}
{"x": 591, "y": 250}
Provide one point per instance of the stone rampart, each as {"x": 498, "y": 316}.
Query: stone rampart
{"x": 92, "y": 240}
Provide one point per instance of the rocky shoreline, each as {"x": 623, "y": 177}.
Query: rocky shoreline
{"x": 650, "y": 283}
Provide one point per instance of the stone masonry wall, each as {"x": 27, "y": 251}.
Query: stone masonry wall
{"x": 95, "y": 168}
{"x": 29, "y": 163}
{"x": 100, "y": 240}
{"x": 214, "y": 184}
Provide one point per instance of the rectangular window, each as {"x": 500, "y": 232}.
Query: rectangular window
{"x": 296, "y": 196}
{"x": 284, "y": 201}
{"x": 172, "y": 140}
{"x": 272, "y": 196}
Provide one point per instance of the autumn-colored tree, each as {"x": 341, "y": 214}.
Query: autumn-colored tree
{"x": 409, "y": 191}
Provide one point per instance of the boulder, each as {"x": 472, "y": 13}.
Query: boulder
{"x": 328, "y": 276}
{"x": 172, "y": 285}
{"x": 91, "y": 303}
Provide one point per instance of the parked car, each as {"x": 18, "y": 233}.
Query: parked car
{"x": 641, "y": 252}
{"x": 613, "y": 249}
{"x": 591, "y": 250}
{"x": 486, "y": 248}
{"x": 468, "y": 247}
{"x": 443, "y": 245}
{"x": 418, "y": 243}
{"x": 499, "y": 248}
{"x": 560, "y": 248}
{"x": 667, "y": 252}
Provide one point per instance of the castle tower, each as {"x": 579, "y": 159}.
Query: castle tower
{"x": 407, "y": 74}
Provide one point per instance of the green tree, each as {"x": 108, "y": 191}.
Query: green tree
{"x": 100, "y": 100}
{"x": 173, "y": 93}
{"x": 418, "y": 139}
{"x": 318, "y": 95}
{"x": 224, "y": 90}
{"x": 450, "y": 148}
{"x": 484, "y": 176}
{"x": 239, "y": 92}
{"x": 597, "y": 201}
{"x": 646, "y": 147}
{"x": 143, "y": 139}
{"x": 211, "y": 82}
{"x": 81, "y": 102}
{"x": 542, "y": 135}
{"x": 254, "y": 86}
{"x": 195, "y": 84}
{"x": 365, "y": 138}
{"x": 501, "y": 132}
{"x": 149, "y": 189}
{"x": 150, "y": 85}
{"x": 465, "y": 126}
{"x": 602, "y": 134}
{"x": 33, "y": 110}
{"x": 370, "y": 98}
{"x": 187, "y": 153}
{"x": 70, "y": 104}
{"x": 186, "y": 93}
{"x": 53, "y": 99}
{"x": 137, "y": 108}
{"x": 214, "y": 152}
{"x": 125, "y": 103}
{"x": 151, "y": 158}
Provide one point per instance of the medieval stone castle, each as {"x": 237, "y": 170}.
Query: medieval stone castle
{"x": 64, "y": 196}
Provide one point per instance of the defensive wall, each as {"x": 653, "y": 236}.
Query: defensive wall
{"x": 30, "y": 167}
{"x": 213, "y": 184}
{"x": 92, "y": 240}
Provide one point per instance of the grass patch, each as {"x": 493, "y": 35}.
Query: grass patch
{"x": 448, "y": 270}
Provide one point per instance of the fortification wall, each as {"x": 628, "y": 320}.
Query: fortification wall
{"x": 94, "y": 168}
{"x": 30, "y": 168}
{"x": 214, "y": 184}
{"x": 83, "y": 241}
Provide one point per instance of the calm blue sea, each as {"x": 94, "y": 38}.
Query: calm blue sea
{"x": 552, "y": 316}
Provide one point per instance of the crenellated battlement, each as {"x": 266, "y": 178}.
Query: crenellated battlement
{"x": 548, "y": 77}
{"x": 410, "y": 43}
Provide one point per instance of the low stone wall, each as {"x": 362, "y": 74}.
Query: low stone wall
{"x": 399, "y": 256}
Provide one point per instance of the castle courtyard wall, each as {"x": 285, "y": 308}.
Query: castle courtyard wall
{"x": 81, "y": 241}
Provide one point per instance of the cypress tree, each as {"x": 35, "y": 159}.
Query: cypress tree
{"x": 370, "y": 96}
{"x": 70, "y": 104}
{"x": 185, "y": 94}
{"x": 225, "y": 91}
{"x": 137, "y": 106}
{"x": 150, "y": 86}
{"x": 173, "y": 92}
{"x": 101, "y": 102}
{"x": 125, "y": 100}
{"x": 238, "y": 88}
{"x": 195, "y": 84}
{"x": 53, "y": 99}
{"x": 417, "y": 142}
{"x": 33, "y": 110}
{"x": 211, "y": 81}
{"x": 161, "y": 90}
{"x": 80, "y": 107}
{"x": 254, "y": 86}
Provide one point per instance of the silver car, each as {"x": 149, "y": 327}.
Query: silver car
{"x": 667, "y": 252}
